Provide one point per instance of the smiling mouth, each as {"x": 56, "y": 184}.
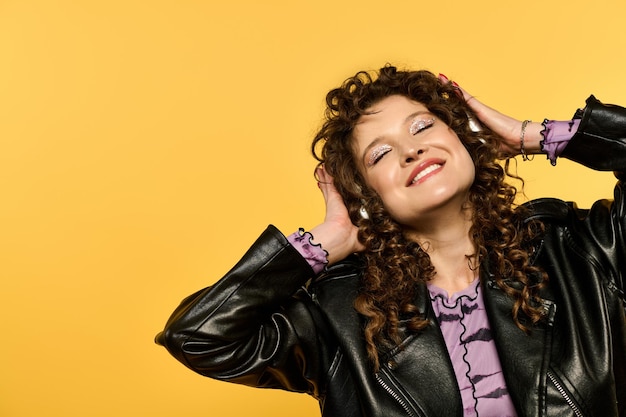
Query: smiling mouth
{"x": 425, "y": 172}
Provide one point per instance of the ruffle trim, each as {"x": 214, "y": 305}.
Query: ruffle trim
{"x": 313, "y": 253}
{"x": 556, "y": 136}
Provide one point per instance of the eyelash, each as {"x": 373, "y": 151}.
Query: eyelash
{"x": 377, "y": 154}
{"x": 419, "y": 125}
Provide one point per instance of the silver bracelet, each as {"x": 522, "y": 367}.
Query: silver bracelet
{"x": 522, "y": 150}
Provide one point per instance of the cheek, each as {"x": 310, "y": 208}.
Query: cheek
{"x": 467, "y": 163}
{"x": 471, "y": 168}
{"x": 380, "y": 181}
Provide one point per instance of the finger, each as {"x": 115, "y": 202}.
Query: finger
{"x": 322, "y": 178}
{"x": 470, "y": 99}
{"x": 332, "y": 199}
{"x": 326, "y": 185}
{"x": 461, "y": 92}
{"x": 466, "y": 96}
{"x": 322, "y": 175}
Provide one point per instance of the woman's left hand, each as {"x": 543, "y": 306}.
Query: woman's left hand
{"x": 507, "y": 127}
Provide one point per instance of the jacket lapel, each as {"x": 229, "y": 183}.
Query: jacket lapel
{"x": 524, "y": 357}
{"x": 423, "y": 368}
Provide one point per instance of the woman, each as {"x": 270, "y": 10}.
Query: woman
{"x": 425, "y": 292}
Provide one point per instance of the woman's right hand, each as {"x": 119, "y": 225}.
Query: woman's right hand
{"x": 337, "y": 234}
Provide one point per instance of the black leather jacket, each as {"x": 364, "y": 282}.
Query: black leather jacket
{"x": 265, "y": 324}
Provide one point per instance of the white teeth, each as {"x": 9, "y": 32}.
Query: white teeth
{"x": 425, "y": 172}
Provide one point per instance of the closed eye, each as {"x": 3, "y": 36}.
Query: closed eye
{"x": 420, "y": 124}
{"x": 377, "y": 154}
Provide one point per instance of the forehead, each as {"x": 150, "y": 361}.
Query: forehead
{"x": 391, "y": 109}
{"x": 384, "y": 117}
{"x": 394, "y": 102}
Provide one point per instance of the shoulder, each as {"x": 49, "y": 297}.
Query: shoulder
{"x": 549, "y": 210}
{"x": 555, "y": 212}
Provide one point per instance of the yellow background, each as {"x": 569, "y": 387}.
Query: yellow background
{"x": 145, "y": 144}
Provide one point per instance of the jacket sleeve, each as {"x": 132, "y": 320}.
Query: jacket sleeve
{"x": 256, "y": 326}
{"x": 600, "y": 142}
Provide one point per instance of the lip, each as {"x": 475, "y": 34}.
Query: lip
{"x": 421, "y": 167}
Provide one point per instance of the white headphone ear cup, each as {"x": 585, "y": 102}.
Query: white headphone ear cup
{"x": 474, "y": 124}
{"x": 363, "y": 213}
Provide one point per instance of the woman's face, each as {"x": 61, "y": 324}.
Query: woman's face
{"x": 413, "y": 160}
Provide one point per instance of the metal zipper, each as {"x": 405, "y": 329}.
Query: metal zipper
{"x": 405, "y": 405}
{"x": 565, "y": 395}
{"x": 614, "y": 288}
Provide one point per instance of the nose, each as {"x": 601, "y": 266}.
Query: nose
{"x": 411, "y": 154}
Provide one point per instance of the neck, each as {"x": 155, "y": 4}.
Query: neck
{"x": 447, "y": 242}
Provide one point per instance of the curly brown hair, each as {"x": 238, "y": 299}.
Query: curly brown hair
{"x": 394, "y": 266}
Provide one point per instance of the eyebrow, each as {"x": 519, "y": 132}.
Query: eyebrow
{"x": 378, "y": 139}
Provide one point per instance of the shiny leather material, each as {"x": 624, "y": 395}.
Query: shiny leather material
{"x": 264, "y": 324}
{"x": 601, "y": 141}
